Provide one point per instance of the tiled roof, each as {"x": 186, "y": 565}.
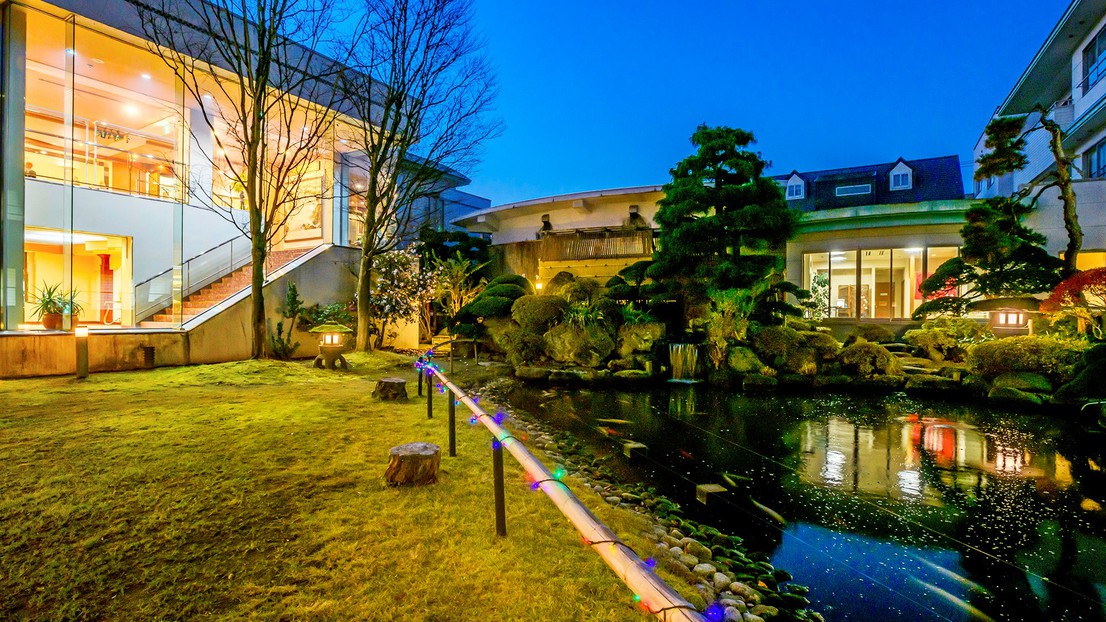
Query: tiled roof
{"x": 934, "y": 179}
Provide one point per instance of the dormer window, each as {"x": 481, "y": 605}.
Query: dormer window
{"x": 902, "y": 177}
{"x": 796, "y": 188}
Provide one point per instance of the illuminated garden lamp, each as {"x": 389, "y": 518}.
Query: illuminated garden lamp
{"x": 538, "y": 286}
{"x": 331, "y": 346}
{"x": 81, "y": 333}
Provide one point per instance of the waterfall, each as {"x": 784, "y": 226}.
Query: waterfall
{"x": 684, "y": 360}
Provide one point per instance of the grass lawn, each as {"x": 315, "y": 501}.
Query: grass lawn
{"x": 253, "y": 491}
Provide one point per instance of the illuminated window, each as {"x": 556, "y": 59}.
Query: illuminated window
{"x": 848, "y": 191}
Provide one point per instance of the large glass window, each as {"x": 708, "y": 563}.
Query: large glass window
{"x": 1094, "y": 161}
{"x": 845, "y": 292}
{"x": 1094, "y": 61}
{"x": 877, "y": 291}
{"x": 816, "y": 275}
{"x": 907, "y": 280}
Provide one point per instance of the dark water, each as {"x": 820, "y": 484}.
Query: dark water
{"x": 895, "y": 508}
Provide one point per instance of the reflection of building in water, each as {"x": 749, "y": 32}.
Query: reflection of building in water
{"x": 914, "y": 457}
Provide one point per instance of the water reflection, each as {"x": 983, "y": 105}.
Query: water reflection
{"x": 895, "y": 507}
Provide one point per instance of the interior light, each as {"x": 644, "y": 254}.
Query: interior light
{"x": 81, "y": 332}
{"x": 147, "y": 76}
{"x": 45, "y": 236}
{"x": 131, "y": 110}
{"x": 912, "y": 250}
{"x": 71, "y": 51}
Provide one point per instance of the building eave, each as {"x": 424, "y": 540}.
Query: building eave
{"x": 567, "y": 199}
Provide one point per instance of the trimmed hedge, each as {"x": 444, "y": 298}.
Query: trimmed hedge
{"x": 504, "y": 290}
{"x": 537, "y": 314}
{"x": 513, "y": 279}
{"x": 1055, "y": 358}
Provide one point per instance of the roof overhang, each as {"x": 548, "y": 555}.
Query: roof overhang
{"x": 580, "y": 201}
{"x": 1048, "y": 76}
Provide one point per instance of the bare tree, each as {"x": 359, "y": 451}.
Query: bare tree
{"x": 256, "y": 72}
{"x": 425, "y": 84}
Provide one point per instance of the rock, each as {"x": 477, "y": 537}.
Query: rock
{"x": 638, "y": 337}
{"x": 794, "y": 381}
{"x": 956, "y": 371}
{"x": 886, "y": 383}
{"x": 744, "y": 361}
{"x": 975, "y": 384}
{"x": 670, "y": 541}
{"x": 390, "y": 389}
{"x": 706, "y": 591}
{"x": 732, "y": 614}
{"x": 912, "y": 370}
{"x": 748, "y": 617}
{"x": 736, "y": 604}
{"x": 1023, "y": 381}
{"x": 676, "y": 552}
{"x": 586, "y": 346}
{"x": 674, "y": 566}
{"x": 721, "y": 581}
{"x": 526, "y": 372}
{"x": 833, "y": 380}
{"x": 1088, "y": 383}
{"x": 698, "y": 550}
{"x": 765, "y": 611}
{"x": 756, "y": 383}
{"x": 1010, "y": 395}
{"x": 613, "y": 500}
{"x": 747, "y": 594}
{"x": 413, "y": 463}
{"x": 633, "y": 374}
{"x": 926, "y": 383}
{"x": 795, "y": 601}
{"x": 915, "y": 361}
{"x": 688, "y": 560}
{"x": 574, "y": 376}
{"x": 704, "y": 570}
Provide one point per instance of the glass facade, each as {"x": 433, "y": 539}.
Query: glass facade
{"x": 110, "y": 177}
{"x": 881, "y": 283}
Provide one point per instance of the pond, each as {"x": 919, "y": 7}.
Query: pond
{"x": 887, "y": 507}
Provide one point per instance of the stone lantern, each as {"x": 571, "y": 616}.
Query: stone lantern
{"x": 331, "y": 346}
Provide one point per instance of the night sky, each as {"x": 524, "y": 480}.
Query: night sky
{"x": 604, "y": 94}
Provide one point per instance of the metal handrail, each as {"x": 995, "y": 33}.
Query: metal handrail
{"x": 188, "y": 261}
{"x": 657, "y": 597}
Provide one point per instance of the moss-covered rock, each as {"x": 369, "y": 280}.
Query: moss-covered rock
{"x": 1090, "y": 383}
{"x": 633, "y": 375}
{"x": 758, "y": 383}
{"x": 557, "y": 284}
{"x": 875, "y": 333}
{"x": 1009, "y": 395}
{"x": 791, "y": 351}
{"x": 499, "y": 331}
{"x": 525, "y": 372}
{"x": 866, "y": 360}
{"x": 1055, "y": 358}
{"x": 638, "y": 337}
{"x": 586, "y": 346}
{"x": 926, "y": 384}
{"x": 881, "y": 383}
{"x": 1023, "y": 381}
{"x": 743, "y": 360}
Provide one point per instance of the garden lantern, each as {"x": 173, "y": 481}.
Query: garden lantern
{"x": 331, "y": 346}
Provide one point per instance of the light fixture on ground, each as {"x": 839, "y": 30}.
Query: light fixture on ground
{"x": 81, "y": 334}
{"x": 331, "y": 346}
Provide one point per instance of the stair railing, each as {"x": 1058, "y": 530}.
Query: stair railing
{"x": 156, "y": 293}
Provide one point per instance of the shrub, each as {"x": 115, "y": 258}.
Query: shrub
{"x": 962, "y": 329}
{"x": 488, "y": 306}
{"x": 874, "y": 333}
{"x": 504, "y": 290}
{"x": 1052, "y": 357}
{"x": 513, "y": 279}
{"x": 583, "y": 315}
{"x": 824, "y": 346}
{"x": 866, "y": 359}
{"x": 633, "y": 316}
{"x": 536, "y": 314}
{"x": 334, "y": 313}
{"x": 774, "y": 343}
{"x": 581, "y": 290}
{"x": 522, "y": 347}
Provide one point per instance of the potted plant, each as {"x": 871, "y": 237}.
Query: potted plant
{"x": 51, "y": 304}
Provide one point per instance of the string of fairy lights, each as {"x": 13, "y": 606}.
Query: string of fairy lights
{"x": 425, "y": 365}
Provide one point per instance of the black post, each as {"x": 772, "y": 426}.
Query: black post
{"x": 452, "y": 425}
{"x": 497, "y": 475}
{"x": 421, "y": 372}
{"x": 429, "y": 399}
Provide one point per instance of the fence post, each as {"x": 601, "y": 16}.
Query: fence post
{"x": 452, "y": 425}
{"x": 497, "y": 475}
{"x": 429, "y": 399}
{"x": 421, "y": 371}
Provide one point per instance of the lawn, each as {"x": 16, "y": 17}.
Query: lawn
{"x": 253, "y": 491}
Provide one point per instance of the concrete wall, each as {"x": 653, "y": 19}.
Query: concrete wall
{"x": 324, "y": 278}
{"x": 1048, "y": 219}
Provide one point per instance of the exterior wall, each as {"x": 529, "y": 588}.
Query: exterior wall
{"x": 523, "y": 224}
{"x": 1048, "y": 218}
{"x": 1084, "y": 103}
{"x": 224, "y": 337}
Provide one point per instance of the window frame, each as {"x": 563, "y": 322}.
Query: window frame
{"x": 1095, "y": 153}
{"x": 800, "y": 194}
{"x": 837, "y": 190}
{"x": 1094, "y": 61}
{"x": 909, "y": 183}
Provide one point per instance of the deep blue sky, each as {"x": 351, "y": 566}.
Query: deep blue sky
{"x": 605, "y": 93}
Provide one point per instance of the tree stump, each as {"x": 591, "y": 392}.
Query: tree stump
{"x": 390, "y": 389}
{"x": 413, "y": 463}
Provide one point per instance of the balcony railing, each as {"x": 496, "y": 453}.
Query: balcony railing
{"x": 156, "y": 292}
{"x": 604, "y": 243}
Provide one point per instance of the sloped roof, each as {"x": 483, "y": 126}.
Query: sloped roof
{"x": 934, "y": 179}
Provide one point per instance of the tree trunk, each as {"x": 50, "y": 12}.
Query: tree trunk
{"x": 1067, "y": 197}
{"x": 257, "y": 297}
{"x": 413, "y": 463}
{"x": 364, "y": 310}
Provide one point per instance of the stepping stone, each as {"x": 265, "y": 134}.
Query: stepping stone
{"x": 630, "y": 447}
{"x": 702, "y": 491}
{"x": 912, "y": 369}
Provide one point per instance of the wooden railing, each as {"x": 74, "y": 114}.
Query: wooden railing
{"x": 597, "y": 244}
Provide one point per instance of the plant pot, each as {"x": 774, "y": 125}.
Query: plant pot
{"x": 51, "y": 321}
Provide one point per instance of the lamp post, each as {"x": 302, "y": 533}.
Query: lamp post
{"x": 81, "y": 334}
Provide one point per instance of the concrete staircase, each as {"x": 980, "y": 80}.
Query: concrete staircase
{"x": 211, "y": 295}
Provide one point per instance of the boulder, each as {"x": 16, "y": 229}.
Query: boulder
{"x": 532, "y": 373}
{"x": 925, "y": 383}
{"x": 754, "y": 383}
{"x": 1010, "y": 395}
{"x": 633, "y": 374}
{"x": 1023, "y": 381}
{"x": 1088, "y": 383}
{"x": 586, "y": 346}
{"x": 575, "y": 375}
{"x": 744, "y": 361}
{"x": 638, "y": 337}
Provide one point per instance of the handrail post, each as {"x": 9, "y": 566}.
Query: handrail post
{"x": 429, "y": 399}
{"x": 497, "y": 475}
{"x": 420, "y": 381}
{"x": 452, "y": 425}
